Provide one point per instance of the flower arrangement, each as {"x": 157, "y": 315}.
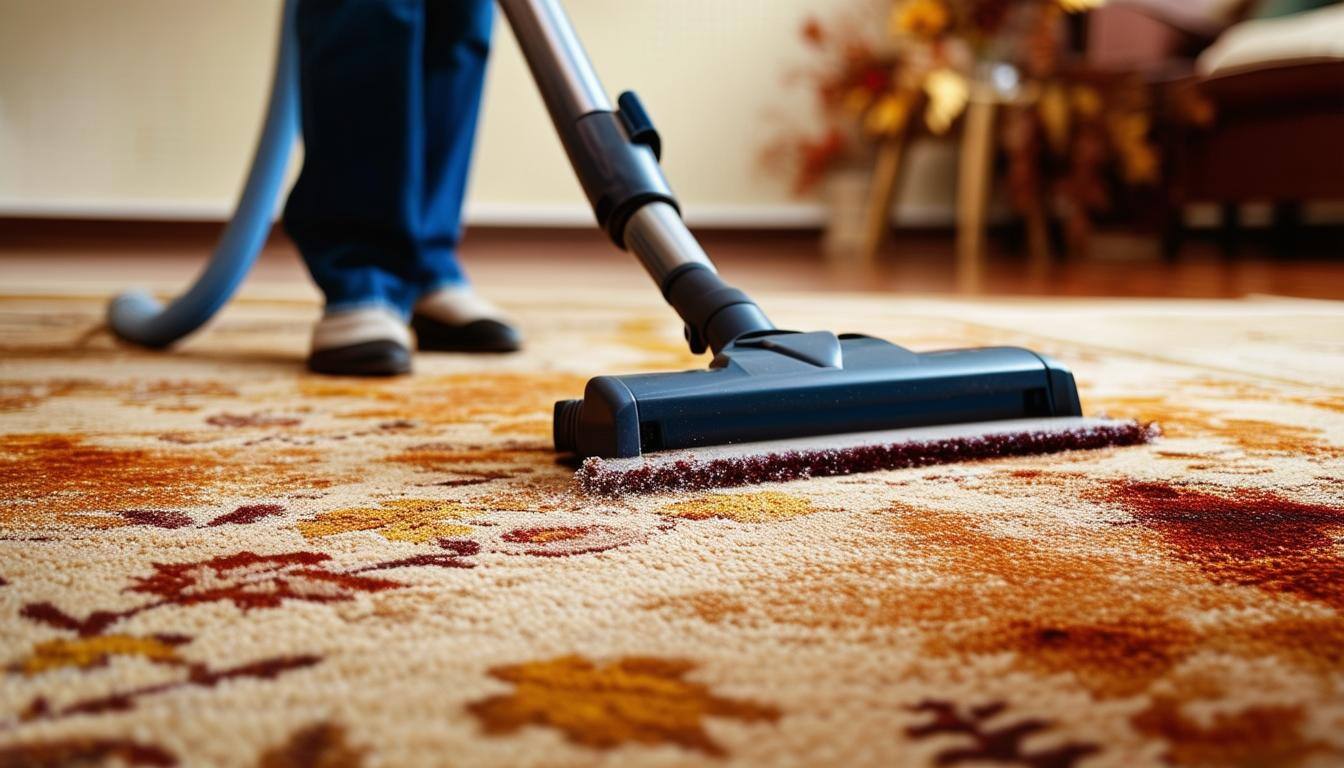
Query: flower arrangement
{"x": 1068, "y": 136}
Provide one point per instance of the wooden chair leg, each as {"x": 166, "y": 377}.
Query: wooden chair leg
{"x": 1287, "y": 227}
{"x": 1038, "y": 242}
{"x": 1173, "y": 229}
{"x": 877, "y": 220}
{"x": 974, "y": 174}
{"x": 1229, "y": 232}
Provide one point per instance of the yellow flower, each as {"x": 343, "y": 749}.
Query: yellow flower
{"x": 1138, "y": 159}
{"x": 1086, "y": 101}
{"x": 947, "y": 92}
{"x": 920, "y": 18}
{"x": 889, "y": 115}
{"x": 856, "y": 101}
{"x": 1055, "y": 119}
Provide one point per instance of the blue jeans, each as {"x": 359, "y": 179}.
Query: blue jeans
{"x": 390, "y": 91}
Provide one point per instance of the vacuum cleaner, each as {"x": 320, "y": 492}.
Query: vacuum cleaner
{"x": 772, "y": 405}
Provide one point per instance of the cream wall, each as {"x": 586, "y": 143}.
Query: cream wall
{"x": 150, "y": 107}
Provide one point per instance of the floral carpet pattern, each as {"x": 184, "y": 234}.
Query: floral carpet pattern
{"x": 209, "y": 557}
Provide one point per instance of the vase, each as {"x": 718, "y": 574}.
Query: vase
{"x": 845, "y": 196}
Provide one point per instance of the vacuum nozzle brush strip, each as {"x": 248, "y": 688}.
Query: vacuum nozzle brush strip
{"x": 763, "y": 384}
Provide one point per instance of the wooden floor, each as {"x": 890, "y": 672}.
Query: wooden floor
{"x": 913, "y": 263}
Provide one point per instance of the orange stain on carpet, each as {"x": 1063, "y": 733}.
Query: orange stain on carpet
{"x": 1179, "y": 419}
{"x": 759, "y": 507}
{"x": 162, "y": 394}
{"x": 66, "y": 480}
{"x": 1310, "y": 643}
{"x": 1258, "y": 735}
{"x": 709, "y": 607}
{"x": 660, "y": 343}
{"x": 633, "y": 700}
{"x": 1051, "y": 607}
{"x": 1109, "y": 658}
{"x": 474, "y": 398}
{"x": 439, "y": 457}
{"x": 324, "y": 745}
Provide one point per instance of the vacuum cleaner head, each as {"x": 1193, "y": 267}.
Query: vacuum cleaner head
{"x": 771, "y": 395}
{"x": 780, "y": 460}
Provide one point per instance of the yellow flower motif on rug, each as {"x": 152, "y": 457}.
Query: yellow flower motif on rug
{"x": 412, "y": 520}
{"x": 636, "y": 699}
{"x": 760, "y": 507}
{"x": 84, "y": 652}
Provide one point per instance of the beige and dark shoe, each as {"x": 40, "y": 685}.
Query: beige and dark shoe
{"x": 370, "y": 341}
{"x": 457, "y": 320}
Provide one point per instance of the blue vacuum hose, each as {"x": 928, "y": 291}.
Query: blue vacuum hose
{"x": 135, "y": 315}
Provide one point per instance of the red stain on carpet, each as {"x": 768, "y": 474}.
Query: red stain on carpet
{"x": 1244, "y": 536}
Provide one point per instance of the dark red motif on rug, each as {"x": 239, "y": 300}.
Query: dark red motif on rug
{"x": 249, "y": 580}
{"x": 198, "y": 676}
{"x": 84, "y": 751}
{"x": 1244, "y": 536}
{"x": 1000, "y": 744}
{"x": 246, "y": 579}
{"x": 247, "y": 514}
{"x": 159, "y": 518}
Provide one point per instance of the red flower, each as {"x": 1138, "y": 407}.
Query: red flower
{"x": 875, "y": 80}
{"x": 813, "y": 32}
{"x": 816, "y": 157}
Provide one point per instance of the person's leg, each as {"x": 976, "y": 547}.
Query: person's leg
{"x": 453, "y": 61}
{"x": 354, "y": 212}
{"x": 449, "y": 316}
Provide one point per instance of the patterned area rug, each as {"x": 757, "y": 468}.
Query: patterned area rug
{"x": 210, "y": 558}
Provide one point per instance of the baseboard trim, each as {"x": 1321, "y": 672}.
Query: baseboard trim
{"x": 577, "y": 215}
{"x": 809, "y": 216}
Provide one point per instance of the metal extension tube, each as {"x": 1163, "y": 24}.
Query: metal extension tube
{"x": 619, "y": 172}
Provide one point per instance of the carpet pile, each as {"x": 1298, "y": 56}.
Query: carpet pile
{"x": 208, "y": 557}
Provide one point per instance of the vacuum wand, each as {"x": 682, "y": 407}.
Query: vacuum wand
{"x": 766, "y": 389}
{"x": 615, "y": 155}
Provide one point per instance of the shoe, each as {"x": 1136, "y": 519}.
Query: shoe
{"x": 360, "y": 342}
{"x": 457, "y": 320}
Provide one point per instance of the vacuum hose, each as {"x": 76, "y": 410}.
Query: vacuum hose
{"x": 135, "y": 315}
